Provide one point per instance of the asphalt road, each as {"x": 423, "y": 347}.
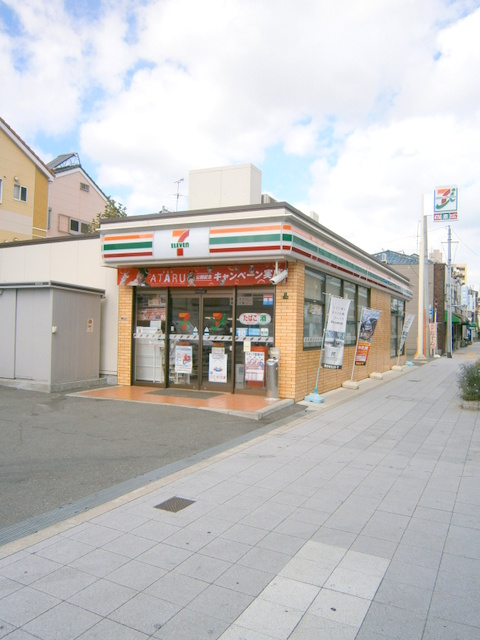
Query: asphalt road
{"x": 56, "y": 450}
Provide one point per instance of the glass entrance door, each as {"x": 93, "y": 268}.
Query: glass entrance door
{"x": 200, "y": 341}
{"x": 217, "y": 343}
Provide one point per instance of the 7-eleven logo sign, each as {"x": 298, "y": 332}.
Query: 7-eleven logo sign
{"x": 179, "y": 243}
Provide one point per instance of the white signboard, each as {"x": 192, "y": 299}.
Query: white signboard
{"x": 445, "y": 203}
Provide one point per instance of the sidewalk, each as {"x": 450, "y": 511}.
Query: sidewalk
{"x": 360, "y": 520}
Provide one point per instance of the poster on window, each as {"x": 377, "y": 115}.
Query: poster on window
{"x": 335, "y": 333}
{"x": 254, "y": 366}
{"x": 368, "y": 323}
{"x": 183, "y": 359}
{"x": 217, "y": 367}
{"x": 407, "y": 323}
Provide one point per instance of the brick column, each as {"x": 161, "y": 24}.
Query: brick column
{"x": 125, "y": 332}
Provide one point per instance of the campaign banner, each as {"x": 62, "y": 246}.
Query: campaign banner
{"x": 368, "y": 323}
{"x": 407, "y": 323}
{"x": 334, "y": 343}
{"x": 432, "y": 329}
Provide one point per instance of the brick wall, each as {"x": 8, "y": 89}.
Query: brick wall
{"x": 125, "y": 332}
{"x": 298, "y": 368}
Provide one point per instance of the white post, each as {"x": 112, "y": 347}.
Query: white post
{"x": 449, "y": 296}
{"x": 420, "y": 355}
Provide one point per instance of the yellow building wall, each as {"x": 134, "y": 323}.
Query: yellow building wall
{"x": 40, "y": 205}
{"x": 18, "y": 218}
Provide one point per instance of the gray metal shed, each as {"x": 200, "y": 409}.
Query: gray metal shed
{"x": 49, "y": 335}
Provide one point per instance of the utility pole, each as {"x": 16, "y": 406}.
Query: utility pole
{"x": 177, "y": 182}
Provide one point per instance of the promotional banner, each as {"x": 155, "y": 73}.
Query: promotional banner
{"x": 335, "y": 333}
{"x": 432, "y": 328}
{"x": 368, "y": 323}
{"x": 407, "y": 323}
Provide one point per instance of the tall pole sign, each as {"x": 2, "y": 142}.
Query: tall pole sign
{"x": 445, "y": 207}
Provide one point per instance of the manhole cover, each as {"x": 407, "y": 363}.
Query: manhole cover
{"x": 174, "y": 504}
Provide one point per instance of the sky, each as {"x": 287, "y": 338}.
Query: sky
{"x": 357, "y": 111}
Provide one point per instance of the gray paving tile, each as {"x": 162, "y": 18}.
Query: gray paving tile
{"x": 269, "y": 618}
{"x": 136, "y": 575}
{"x": 99, "y": 562}
{"x": 155, "y": 530}
{"x": 340, "y": 607}
{"x": 334, "y": 537}
{"x": 164, "y": 556}
{"x": 102, "y": 597}
{"x": 264, "y": 559}
{"x": 191, "y": 625}
{"x": 65, "y": 550}
{"x": 459, "y": 609}
{"x": 17, "y": 634}
{"x": 145, "y": 613}
{"x": 404, "y": 596}
{"x": 441, "y": 629}
{"x": 386, "y": 621}
{"x": 27, "y": 569}
{"x": 177, "y": 588}
{"x": 64, "y": 582}
{"x": 24, "y": 605}
{"x": 292, "y": 593}
{"x": 386, "y": 526}
{"x": 373, "y": 546}
{"x": 203, "y": 567}
{"x": 220, "y": 602}
{"x": 224, "y": 549}
{"x": 312, "y": 627}
{"x": 109, "y": 630}
{"x": 129, "y": 545}
{"x": 63, "y": 622}
{"x": 245, "y": 579}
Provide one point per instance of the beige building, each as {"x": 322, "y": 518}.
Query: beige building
{"x": 74, "y": 200}
{"x": 24, "y": 182}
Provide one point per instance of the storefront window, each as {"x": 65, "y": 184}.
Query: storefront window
{"x": 149, "y": 336}
{"x": 314, "y": 310}
{"x": 318, "y": 288}
{"x": 350, "y": 292}
{"x": 254, "y": 335}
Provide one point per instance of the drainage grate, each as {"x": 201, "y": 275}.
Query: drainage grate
{"x": 174, "y": 504}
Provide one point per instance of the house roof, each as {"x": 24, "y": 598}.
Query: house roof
{"x": 13, "y": 135}
{"x": 69, "y": 162}
{"x": 64, "y": 161}
{"x": 7, "y": 129}
{"x": 395, "y": 257}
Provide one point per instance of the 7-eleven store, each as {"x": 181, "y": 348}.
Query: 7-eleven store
{"x": 198, "y": 310}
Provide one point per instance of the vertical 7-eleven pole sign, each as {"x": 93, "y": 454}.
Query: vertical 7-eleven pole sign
{"x": 445, "y": 207}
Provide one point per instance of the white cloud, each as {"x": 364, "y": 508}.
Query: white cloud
{"x": 380, "y": 96}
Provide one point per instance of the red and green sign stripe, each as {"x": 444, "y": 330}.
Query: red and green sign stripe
{"x": 132, "y": 245}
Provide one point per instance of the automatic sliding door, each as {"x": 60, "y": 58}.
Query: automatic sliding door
{"x": 183, "y": 370}
{"x": 217, "y": 343}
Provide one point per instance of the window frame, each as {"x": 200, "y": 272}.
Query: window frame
{"x": 316, "y": 306}
{"x": 22, "y": 190}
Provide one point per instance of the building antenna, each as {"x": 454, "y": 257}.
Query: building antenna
{"x": 177, "y": 182}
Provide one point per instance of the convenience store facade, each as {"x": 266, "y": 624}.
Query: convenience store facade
{"x": 204, "y": 297}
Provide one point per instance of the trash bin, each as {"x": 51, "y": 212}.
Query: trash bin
{"x": 272, "y": 379}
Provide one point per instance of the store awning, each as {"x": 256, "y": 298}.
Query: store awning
{"x": 471, "y": 325}
{"x": 455, "y": 319}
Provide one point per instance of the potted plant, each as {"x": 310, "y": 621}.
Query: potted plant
{"x": 469, "y": 383}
